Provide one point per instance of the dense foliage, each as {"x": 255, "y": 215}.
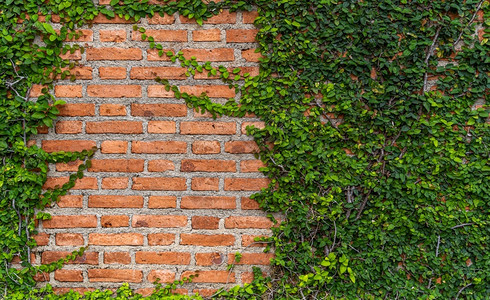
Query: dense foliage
{"x": 376, "y": 140}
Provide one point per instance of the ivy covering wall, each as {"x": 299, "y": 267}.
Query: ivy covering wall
{"x": 376, "y": 141}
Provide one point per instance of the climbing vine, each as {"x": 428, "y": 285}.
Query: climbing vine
{"x": 376, "y": 140}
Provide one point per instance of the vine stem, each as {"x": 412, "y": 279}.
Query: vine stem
{"x": 469, "y": 23}
{"x": 461, "y": 290}
{"x": 429, "y": 54}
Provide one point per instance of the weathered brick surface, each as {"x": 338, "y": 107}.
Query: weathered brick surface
{"x": 168, "y": 191}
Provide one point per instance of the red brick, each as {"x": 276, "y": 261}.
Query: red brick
{"x": 115, "y": 239}
{"x": 75, "y": 221}
{"x": 213, "y": 165}
{"x": 207, "y": 240}
{"x": 160, "y": 165}
{"x": 248, "y": 222}
{"x": 101, "y": 19}
{"x": 246, "y": 184}
{"x": 249, "y": 241}
{"x": 206, "y": 147}
{"x": 205, "y": 128}
{"x": 114, "y": 54}
{"x": 159, "y": 221}
{"x": 206, "y": 35}
{"x": 77, "y": 109}
{"x": 211, "y": 276}
{"x": 86, "y": 183}
{"x": 224, "y": 17}
{"x": 161, "y": 239}
{"x": 68, "y": 275}
{"x": 64, "y": 127}
{"x": 69, "y": 239}
{"x": 241, "y": 147}
{"x": 152, "y": 55}
{"x": 159, "y": 147}
{"x": 112, "y": 35}
{"x": 36, "y": 90}
{"x": 89, "y": 258}
{"x": 80, "y": 72}
{"x": 117, "y": 258}
{"x": 71, "y": 201}
{"x": 161, "y": 276}
{"x": 69, "y": 166}
{"x": 112, "y": 110}
{"x": 114, "y": 275}
{"x": 42, "y": 239}
{"x": 68, "y": 91}
{"x": 215, "y": 54}
{"x": 159, "y": 110}
{"x": 251, "y": 259}
{"x": 114, "y": 147}
{"x": 208, "y": 202}
{"x": 162, "y": 127}
{"x": 114, "y": 127}
{"x": 248, "y": 203}
{"x": 163, "y": 258}
{"x": 259, "y": 125}
{"x": 249, "y": 16}
{"x": 251, "y": 55}
{"x": 112, "y": 73}
{"x": 241, "y": 35}
{"x": 204, "y": 184}
{"x": 205, "y": 222}
{"x": 209, "y": 259}
{"x": 63, "y": 290}
{"x": 162, "y": 35}
{"x": 159, "y": 184}
{"x": 115, "y": 183}
{"x": 162, "y": 202}
{"x": 76, "y": 55}
{"x": 247, "y": 166}
{"x": 158, "y": 91}
{"x": 165, "y": 20}
{"x": 86, "y": 35}
{"x": 114, "y": 221}
{"x": 114, "y": 91}
{"x": 208, "y": 293}
{"x": 213, "y": 91}
{"x": 115, "y": 201}
{"x": 151, "y": 73}
{"x": 117, "y": 165}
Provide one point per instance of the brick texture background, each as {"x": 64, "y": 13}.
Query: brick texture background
{"x": 168, "y": 191}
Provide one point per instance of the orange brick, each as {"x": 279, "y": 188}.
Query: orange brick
{"x": 208, "y": 202}
{"x": 76, "y": 55}
{"x": 201, "y": 165}
{"x": 86, "y": 183}
{"x": 68, "y": 91}
{"x": 215, "y": 54}
{"x": 161, "y": 239}
{"x": 115, "y": 201}
{"x": 160, "y": 165}
{"x": 114, "y": 147}
{"x": 151, "y": 73}
{"x": 71, "y": 201}
{"x": 252, "y": 259}
{"x": 117, "y": 165}
{"x": 114, "y": 275}
{"x": 159, "y": 221}
{"x": 241, "y": 35}
{"x": 101, "y": 19}
{"x": 245, "y": 184}
{"x": 112, "y": 110}
{"x": 69, "y": 166}
{"x": 249, "y": 16}
{"x": 205, "y": 128}
{"x": 162, "y": 35}
{"x": 162, "y": 20}
{"x": 117, "y": 258}
{"x": 241, "y": 147}
{"x": 68, "y": 275}
{"x": 159, "y": 147}
{"x": 114, "y": 127}
{"x": 86, "y": 35}
{"x": 112, "y": 35}
{"x": 42, "y": 239}
{"x": 206, "y": 147}
{"x": 88, "y": 258}
{"x": 247, "y": 166}
{"x": 69, "y": 239}
{"x": 208, "y": 293}
{"x": 206, "y": 35}
{"x": 112, "y": 73}
{"x": 248, "y": 203}
{"x": 114, "y": 54}
{"x": 63, "y": 127}
{"x": 158, "y": 91}
{"x": 114, "y": 91}
{"x": 159, "y": 184}
{"x": 115, "y": 183}
{"x": 164, "y": 258}
{"x": 61, "y": 291}
{"x": 159, "y": 110}
{"x": 80, "y": 72}
{"x": 211, "y": 276}
{"x": 75, "y": 221}
{"x": 113, "y": 221}
{"x": 248, "y": 222}
{"x": 209, "y": 259}
{"x": 162, "y": 127}
{"x": 213, "y": 91}
{"x": 152, "y": 55}
{"x": 249, "y": 241}
{"x": 207, "y": 240}
{"x": 205, "y": 222}
{"x": 77, "y": 109}
{"x": 259, "y": 125}
{"x": 205, "y": 184}
{"x": 162, "y": 202}
{"x": 115, "y": 239}
{"x": 161, "y": 276}
{"x": 224, "y": 17}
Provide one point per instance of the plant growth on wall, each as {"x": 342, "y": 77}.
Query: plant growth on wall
{"x": 376, "y": 140}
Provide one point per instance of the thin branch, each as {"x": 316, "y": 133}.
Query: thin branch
{"x": 461, "y": 290}
{"x": 438, "y": 243}
{"x": 469, "y": 23}
{"x": 429, "y": 54}
{"x": 462, "y": 225}
{"x": 363, "y": 205}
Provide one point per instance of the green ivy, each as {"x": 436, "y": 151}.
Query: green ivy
{"x": 376, "y": 141}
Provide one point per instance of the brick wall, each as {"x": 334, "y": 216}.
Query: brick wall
{"x": 168, "y": 190}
